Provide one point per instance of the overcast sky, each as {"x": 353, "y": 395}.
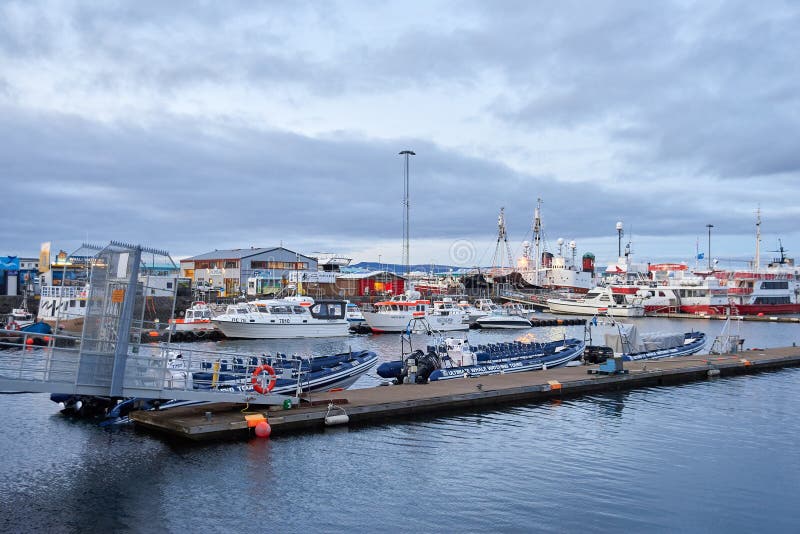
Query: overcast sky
{"x": 208, "y": 125}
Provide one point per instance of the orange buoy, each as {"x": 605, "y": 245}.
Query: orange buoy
{"x": 263, "y": 430}
{"x": 272, "y": 378}
{"x": 29, "y": 341}
{"x": 153, "y": 333}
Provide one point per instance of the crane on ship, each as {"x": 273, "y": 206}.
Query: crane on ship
{"x": 503, "y": 259}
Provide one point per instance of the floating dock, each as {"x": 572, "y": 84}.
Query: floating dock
{"x": 722, "y": 317}
{"x": 386, "y": 403}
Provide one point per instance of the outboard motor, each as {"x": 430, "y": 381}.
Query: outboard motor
{"x": 597, "y": 354}
{"x": 426, "y": 364}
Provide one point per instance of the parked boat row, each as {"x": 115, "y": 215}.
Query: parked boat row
{"x": 450, "y": 358}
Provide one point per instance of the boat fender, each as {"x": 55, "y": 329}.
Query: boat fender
{"x": 340, "y": 419}
{"x": 272, "y": 378}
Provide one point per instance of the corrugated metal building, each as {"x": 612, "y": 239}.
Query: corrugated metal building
{"x": 227, "y": 271}
{"x": 370, "y": 284}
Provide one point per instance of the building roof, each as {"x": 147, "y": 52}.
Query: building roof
{"x": 239, "y": 253}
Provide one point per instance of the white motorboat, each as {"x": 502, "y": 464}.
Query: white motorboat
{"x": 598, "y": 301}
{"x": 283, "y": 319}
{"x": 472, "y": 312}
{"x": 196, "y": 320}
{"x": 499, "y": 317}
{"x": 447, "y": 306}
{"x": 395, "y": 315}
{"x": 354, "y": 315}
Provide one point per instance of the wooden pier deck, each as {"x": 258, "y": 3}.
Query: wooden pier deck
{"x": 384, "y": 403}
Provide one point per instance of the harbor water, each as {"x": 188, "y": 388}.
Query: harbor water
{"x": 713, "y": 456}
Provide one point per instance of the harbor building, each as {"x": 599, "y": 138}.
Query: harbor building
{"x": 17, "y": 275}
{"x": 229, "y": 273}
{"x": 371, "y": 284}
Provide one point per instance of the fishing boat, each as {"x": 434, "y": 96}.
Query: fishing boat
{"x": 63, "y": 307}
{"x": 625, "y": 340}
{"x": 455, "y": 358}
{"x": 284, "y": 319}
{"x": 599, "y": 301}
{"x": 19, "y": 318}
{"x": 542, "y": 268}
{"x": 196, "y": 321}
{"x": 396, "y": 314}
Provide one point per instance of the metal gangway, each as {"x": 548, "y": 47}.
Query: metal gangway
{"x": 108, "y": 359}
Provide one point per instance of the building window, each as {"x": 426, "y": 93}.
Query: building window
{"x": 231, "y": 264}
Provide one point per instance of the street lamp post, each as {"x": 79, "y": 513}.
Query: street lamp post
{"x": 709, "y": 226}
{"x": 406, "y": 214}
{"x": 619, "y": 239}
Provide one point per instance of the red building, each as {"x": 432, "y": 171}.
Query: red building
{"x": 375, "y": 283}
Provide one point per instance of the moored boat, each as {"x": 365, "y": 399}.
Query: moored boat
{"x": 196, "y": 320}
{"x": 283, "y": 319}
{"x": 394, "y": 315}
{"x": 456, "y": 358}
{"x": 625, "y": 340}
{"x": 292, "y": 375}
{"x": 599, "y": 301}
{"x": 354, "y": 315}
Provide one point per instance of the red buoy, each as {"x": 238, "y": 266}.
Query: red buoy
{"x": 29, "y": 341}
{"x": 263, "y": 430}
{"x": 761, "y": 314}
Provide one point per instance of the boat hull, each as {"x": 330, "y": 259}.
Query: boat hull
{"x": 398, "y": 322}
{"x": 282, "y": 331}
{"x": 536, "y": 363}
{"x": 691, "y": 346}
{"x": 504, "y": 323}
{"x": 580, "y": 308}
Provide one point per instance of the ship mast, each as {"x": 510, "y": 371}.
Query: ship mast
{"x": 497, "y": 260}
{"x": 757, "y": 260}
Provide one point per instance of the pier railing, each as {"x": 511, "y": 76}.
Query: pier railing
{"x": 57, "y": 364}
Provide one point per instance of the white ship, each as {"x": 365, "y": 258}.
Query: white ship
{"x": 396, "y": 314}
{"x": 284, "y": 319}
{"x": 541, "y": 268}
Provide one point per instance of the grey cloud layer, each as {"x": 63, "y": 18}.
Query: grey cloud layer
{"x": 691, "y": 93}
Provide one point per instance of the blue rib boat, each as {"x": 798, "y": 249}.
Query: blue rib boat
{"x": 624, "y": 340}
{"x": 320, "y": 373}
{"x": 455, "y": 358}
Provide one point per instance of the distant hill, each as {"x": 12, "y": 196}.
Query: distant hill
{"x": 400, "y": 269}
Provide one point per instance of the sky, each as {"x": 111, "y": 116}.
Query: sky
{"x": 193, "y": 126}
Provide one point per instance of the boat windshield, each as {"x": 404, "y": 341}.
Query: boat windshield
{"x": 328, "y": 310}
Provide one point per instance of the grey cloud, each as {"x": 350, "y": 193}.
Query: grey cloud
{"x": 190, "y": 185}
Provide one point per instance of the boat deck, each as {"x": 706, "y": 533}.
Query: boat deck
{"x": 387, "y": 403}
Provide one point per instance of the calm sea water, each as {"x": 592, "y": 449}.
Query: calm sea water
{"x": 715, "y": 456}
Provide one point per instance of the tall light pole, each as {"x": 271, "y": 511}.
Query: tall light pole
{"x": 619, "y": 239}
{"x": 709, "y": 226}
{"x": 406, "y": 215}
